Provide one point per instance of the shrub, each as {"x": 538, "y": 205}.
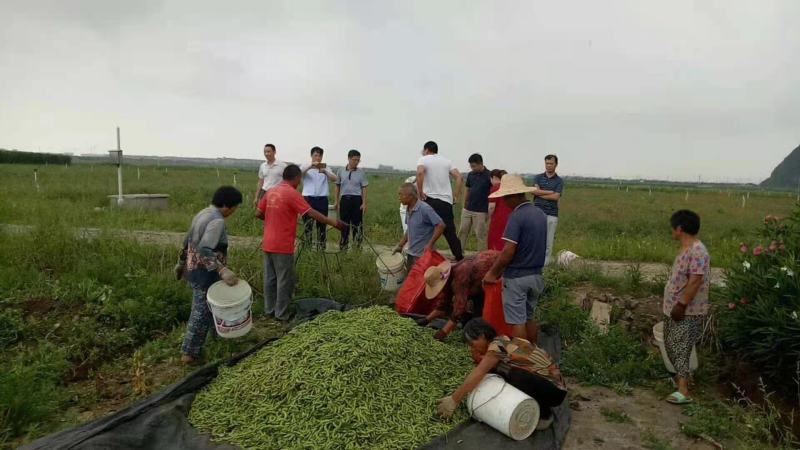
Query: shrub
{"x": 11, "y": 325}
{"x": 29, "y": 389}
{"x": 759, "y": 318}
{"x": 571, "y": 320}
{"x": 617, "y": 359}
{"x": 750, "y": 425}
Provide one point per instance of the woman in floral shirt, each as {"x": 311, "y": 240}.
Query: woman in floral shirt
{"x": 685, "y": 299}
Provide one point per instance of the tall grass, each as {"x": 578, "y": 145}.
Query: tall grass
{"x": 600, "y": 222}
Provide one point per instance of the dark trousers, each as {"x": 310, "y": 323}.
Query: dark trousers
{"x": 319, "y": 204}
{"x": 546, "y": 394}
{"x": 350, "y": 213}
{"x": 410, "y": 261}
{"x": 445, "y": 211}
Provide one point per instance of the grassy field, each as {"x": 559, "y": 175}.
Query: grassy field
{"x": 626, "y": 222}
{"x": 89, "y": 326}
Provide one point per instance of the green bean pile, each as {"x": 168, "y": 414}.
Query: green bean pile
{"x": 366, "y": 378}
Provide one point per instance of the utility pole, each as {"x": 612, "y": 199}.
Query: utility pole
{"x": 117, "y": 156}
{"x": 119, "y": 170}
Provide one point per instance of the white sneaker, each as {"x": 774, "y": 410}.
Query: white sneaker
{"x": 544, "y": 424}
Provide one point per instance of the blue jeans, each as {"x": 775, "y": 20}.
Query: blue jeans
{"x": 200, "y": 320}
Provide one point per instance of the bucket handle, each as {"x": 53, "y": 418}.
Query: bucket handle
{"x": 472, "y": 398}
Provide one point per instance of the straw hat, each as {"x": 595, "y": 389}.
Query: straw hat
{"x": 435, "y": 279}
{"x": 511, "y": 184}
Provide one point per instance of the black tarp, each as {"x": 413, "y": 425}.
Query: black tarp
{"x": 160, "y": 421}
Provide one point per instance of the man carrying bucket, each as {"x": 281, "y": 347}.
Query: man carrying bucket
{"x": 522, "y": 258}
{"x": 522, "y": 364}
{"x": 206, "y": 250}
{"x": 279, "y": 209}
{"x": 457, "y": 288}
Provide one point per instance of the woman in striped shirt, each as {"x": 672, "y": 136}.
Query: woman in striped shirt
{"x": 523, "y": 365}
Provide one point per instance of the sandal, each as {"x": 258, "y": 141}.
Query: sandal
{"x": 676, "y": 398}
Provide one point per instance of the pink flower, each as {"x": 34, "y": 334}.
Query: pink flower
{"x": 758, "y": 251}
{"x": 781, "y": 246}
{"x": 773, "y": 246}
{"x": 744, "y": 301}
{"x": 731, "y": 305}
{"x": 743, "y": 247}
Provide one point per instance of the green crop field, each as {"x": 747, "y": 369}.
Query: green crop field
{"x": 625, "y": 222}
{"x": 88, "y": 326}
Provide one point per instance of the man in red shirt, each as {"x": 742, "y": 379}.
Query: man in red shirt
{"x": 279, "y": 209}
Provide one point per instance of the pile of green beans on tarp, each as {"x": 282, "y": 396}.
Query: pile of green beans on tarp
{"x": 366, "y": 378}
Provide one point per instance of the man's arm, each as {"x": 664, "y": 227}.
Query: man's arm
{"x": 363, "y": 199}
{"x": 258, "y": 190}
{"x": 314, "y": 214}
{"x": 437, "y": 232}
{"x": 421, "y": 182}
{"x": 466, "y": 197}
{"x": 331, "y": 176}
{"x": 503, "y": 260}
{"x": 309, "y": 167}
{"x": 402, "y": 243}
{"x": 338, "y": 196}
{"x": 547, "y": 195}
{"x": 459, "y": 183}
{"x": 261, "y": 207}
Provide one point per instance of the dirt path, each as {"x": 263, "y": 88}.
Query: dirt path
{"x": 649, "y": 271}
{"x": 603, "y": 419}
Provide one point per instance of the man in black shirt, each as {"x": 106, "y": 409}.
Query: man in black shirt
{"x": 476, "y": 203}
{"x": 549, "y": 187}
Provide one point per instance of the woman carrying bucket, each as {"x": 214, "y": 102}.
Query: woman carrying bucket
{"x": 523, "y": 365}
{"x": 206, "y": 249}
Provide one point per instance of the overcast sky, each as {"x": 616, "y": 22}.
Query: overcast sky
{"x": 673, "y": 90}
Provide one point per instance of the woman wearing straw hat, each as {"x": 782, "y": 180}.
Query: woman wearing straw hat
{"x": 453, "y": 286}
{"x": 522, "y": 258}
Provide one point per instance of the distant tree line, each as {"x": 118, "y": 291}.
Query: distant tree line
{"x": 17, "y": 157}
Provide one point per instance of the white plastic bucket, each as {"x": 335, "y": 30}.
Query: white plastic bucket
{"x": 503, "y": 407}
{"x": 658, "y": 335}
{"x": 230, "y": 306}
{"x": 391, "y": 270}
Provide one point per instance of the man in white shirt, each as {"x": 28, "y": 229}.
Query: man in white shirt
{"x": 433, "y": 185}
{"x": 270, "y": 173}
{"x": 315, "y": 191}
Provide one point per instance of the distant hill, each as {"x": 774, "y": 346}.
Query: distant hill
{"x": 787, "y": 173}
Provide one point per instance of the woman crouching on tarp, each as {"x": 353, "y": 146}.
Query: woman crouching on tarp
{"x": 523, "y": 365}
{"x": 203, "y": 263}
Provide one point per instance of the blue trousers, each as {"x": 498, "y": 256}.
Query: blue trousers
{"x": 200, "y": 321}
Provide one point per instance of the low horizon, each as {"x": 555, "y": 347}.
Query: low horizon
{"x": 674, "y": 91}
{"x": 411, "y": 169}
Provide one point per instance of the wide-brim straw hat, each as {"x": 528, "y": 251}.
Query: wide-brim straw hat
{"x": 436, "y": 278}
{"x": 511, "y": 184}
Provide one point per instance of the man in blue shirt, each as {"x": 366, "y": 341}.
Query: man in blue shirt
{"x": 549, "y": 187}
{"x": 522, "y": 258}
{"x": 424, "y": 226}
{"x": 476, "y": 203}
